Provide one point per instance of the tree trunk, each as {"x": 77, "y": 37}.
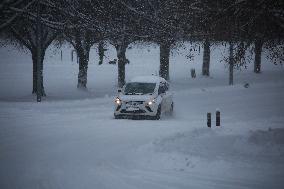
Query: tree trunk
{"x": 231, "y": 64}
{"x": 38, "y": 53}
{"x": 43, "y": 38}
{"x": 257, "y": 51}
{"x": 41, "y": 72}
{"x": 34, "y": 58}
{"x": 35, "y": 71}
{"x": 101, "y": 50}
{"x": 165, "y": 49}
{"x": 121, "y": 51}
{"x": 83, "y": 69}
{"x": 206, "y": 58}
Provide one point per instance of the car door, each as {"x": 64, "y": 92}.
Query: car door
{"x": 162, "y": 94}
{"x": 167, "y": 97}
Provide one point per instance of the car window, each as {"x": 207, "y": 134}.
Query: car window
{"x": 162, "y": 88}
{"x": 137, "y": 88}
{"x": 166, "y": 85}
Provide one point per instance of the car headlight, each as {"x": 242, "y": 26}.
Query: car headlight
{"x": 117, "y": 101}
{"x": 151, "y": 102}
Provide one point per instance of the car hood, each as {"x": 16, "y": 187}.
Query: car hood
{"x": 136, "y": 97}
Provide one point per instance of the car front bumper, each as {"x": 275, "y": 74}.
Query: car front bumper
{"x": 140, "y": 109}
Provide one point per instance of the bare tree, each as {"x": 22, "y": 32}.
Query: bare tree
{"x": 206, "y": 58}
{"x": 82, "y": 40}
{"x": 121, "y": 46}
{"x": 264, "y": 26}
{"x": 231, "y": 63}
{"x": 257, "y": 54}
{"x": 34, "y": 24}
{"x": 30, "y": 31}
{"x": 123, "y": 28}
{"x": 101, "y": 51}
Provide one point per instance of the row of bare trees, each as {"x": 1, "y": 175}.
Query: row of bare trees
{"x": 35, "y": 24}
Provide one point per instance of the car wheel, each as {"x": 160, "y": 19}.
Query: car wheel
{"x": 171, "y": 111}
{"x": 117, "y": 117}
{"x": 158, "y": 114}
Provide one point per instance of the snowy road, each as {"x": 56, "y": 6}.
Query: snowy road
{"x": 71, "y": 140}
{"x": 78, "y": 144}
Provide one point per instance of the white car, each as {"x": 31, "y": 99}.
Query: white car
{"x": 144, "y": 96}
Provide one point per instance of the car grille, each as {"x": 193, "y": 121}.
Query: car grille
{"x": 134, "y": 111}
{"x": 134, "y": 102}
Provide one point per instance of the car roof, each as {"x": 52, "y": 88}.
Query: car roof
{"x": 148, "y": 79}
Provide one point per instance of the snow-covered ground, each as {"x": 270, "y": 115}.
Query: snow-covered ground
{"x": 71, "y": 140}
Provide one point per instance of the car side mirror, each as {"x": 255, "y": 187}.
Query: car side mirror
{"x": 159, "y": 91}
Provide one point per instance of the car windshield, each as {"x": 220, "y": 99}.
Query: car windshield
{"x": 135, "y": 88}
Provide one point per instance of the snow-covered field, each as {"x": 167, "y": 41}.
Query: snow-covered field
{"x": 71, "y": 141}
